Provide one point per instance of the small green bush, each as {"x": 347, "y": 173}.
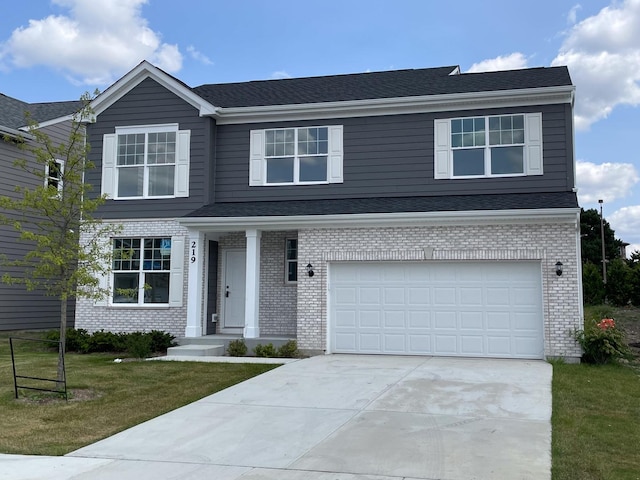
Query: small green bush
{"x": 139, "y": 344}
{"x": 76, "y": 339}
{"x": 102, "y": 341}
{"x": 602, "y": 342}
{"x": 289, "y": 350}
{"x": 237, "y": 348}
{"x": 160, "y": 340}
{"x": 266, "y": 351}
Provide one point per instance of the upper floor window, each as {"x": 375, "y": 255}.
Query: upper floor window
{"x": 491, "y": 146}
{"x": 53, "y": 174}
{"x": 296, "y": 156}
{"x": 146, "y": 162}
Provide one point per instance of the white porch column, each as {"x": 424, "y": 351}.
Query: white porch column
{"x": 196, "y": 249}
{"x": 252, "y": 293}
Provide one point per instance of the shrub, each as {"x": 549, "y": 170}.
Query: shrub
{"x": 139, "y": 344}
{"x": 76, "y": 339}
{"x": 267, "y": 350}
{"x": 619, "y": 280}
{"x": 102, "y": 341}
{"x": 160, "y": 341}
{"x": 592, "y": 285}
{"x": 602, "y": 342}
{"x": 289, "y": 350}
{"x": 237, "y": 348}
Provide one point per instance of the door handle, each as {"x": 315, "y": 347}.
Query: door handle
{"x": 226, "y": 294}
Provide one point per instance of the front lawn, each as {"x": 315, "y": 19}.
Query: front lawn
{"x": 106, "y": 398}
{"x": 596, "y": 415}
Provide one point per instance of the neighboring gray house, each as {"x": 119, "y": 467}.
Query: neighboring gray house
{"x": 20, "y": 309}
{"x": 419, "y": 212}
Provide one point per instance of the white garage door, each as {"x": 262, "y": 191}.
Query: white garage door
{"x": 474, "y": 309}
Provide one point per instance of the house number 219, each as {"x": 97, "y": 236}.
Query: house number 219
{"x": 193, "y": 252}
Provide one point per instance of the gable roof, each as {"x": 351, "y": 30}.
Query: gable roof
{"x": 13, "y": 111}
{"x": 378, "y": 85}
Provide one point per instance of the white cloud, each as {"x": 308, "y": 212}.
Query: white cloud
{"x": 93, "y": 44}
{"x": 606, "y": 181}
{"x": 573, "y": 14}
{"x": 603, "y": 56}
{"x": 626, "y": 223}
{"x": 513, "y": 61}
{"x": 280, "y": 74}
{"x": 199, "y": 56}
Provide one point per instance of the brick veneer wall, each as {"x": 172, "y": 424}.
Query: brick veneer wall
{"x": 548, "y": 243}
{"x": 131, "y": 319}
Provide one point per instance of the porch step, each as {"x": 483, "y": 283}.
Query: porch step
{"x": 196, "y": 351}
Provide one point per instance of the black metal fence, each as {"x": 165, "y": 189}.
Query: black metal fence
{"x": 59, "y": 387}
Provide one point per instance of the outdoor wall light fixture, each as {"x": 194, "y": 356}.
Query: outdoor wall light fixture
{"x": 310, "y": 270}
{"x": 558, "y": 268}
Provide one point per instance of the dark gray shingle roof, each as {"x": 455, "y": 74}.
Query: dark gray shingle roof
{"x": 12, "y": 111}
{"x": 447, "y": 203}
{"x": 366, "y": 86}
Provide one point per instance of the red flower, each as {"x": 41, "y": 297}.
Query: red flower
{"x": 606, "y": 323}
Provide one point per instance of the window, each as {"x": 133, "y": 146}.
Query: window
{"x": 141, "y": 270}
{"x": 291, "y": 260}
{"x": 53, "y": 174}
{"x": 146, "y": 162}
{"x": 296, "y": 156}
{"x": 491, "y": 146}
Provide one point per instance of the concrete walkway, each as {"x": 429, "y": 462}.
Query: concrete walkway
{"x": 337, "y": 417}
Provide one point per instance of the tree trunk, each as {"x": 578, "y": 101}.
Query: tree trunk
{"x": 63, "y": 342}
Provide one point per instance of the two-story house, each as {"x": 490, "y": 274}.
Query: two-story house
{"x": 419, "y": 212}
{"x": 21, "y": 309}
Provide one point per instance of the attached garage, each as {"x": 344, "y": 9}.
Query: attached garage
{"x": 472, "y": 309}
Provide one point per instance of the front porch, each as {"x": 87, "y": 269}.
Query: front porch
{"x": 216, "y": 345}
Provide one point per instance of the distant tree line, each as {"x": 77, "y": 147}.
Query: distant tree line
{"x": 623, "y": 274}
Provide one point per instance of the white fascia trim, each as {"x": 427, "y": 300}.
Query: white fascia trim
{"x": 143, "y": 71}
{"x": 225, "y": 224}
{"x": 12, "y": 133}
{"x": 398, "y": 106}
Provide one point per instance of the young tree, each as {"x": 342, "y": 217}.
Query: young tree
{"x": 51, "y": 216}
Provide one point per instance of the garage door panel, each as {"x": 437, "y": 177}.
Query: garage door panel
{"x": 369, "y": 319}
{"x": 394, "y": 296}
{"x": 446, "y": 345}
{"x": 436, "y": 308}
{"x": 419, "y": 344}
{"x": 419, "y": 319}
{"x": 472, "y": 320}
{"x": 444, "y": 296}
{"x": 395, "y": 319}
{"x": 472, "y": 345}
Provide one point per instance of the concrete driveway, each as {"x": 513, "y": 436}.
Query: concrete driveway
{"x": 338, "y": 417}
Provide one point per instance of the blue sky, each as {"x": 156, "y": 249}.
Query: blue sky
{"x": 57, "y": 49}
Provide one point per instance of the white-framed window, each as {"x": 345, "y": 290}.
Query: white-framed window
{"x": 488, "y": 146}
{"x": 147, "y": 271}
{"x": 150, "y": 161}
{"x": 53, "y": 172}
{"x": 291, "y": 260}
{"x": 296, "y": 156}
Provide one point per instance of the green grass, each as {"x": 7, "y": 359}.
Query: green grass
{"x": 126, "y": 393}
{"x": 596, "y": 413}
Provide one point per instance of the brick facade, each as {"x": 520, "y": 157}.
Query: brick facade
{"x": 548, "y": 243}
{"x": 122, "y": 318}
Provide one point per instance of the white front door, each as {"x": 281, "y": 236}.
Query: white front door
{"x": 233, "y": 290}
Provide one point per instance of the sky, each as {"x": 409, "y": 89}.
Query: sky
{"x": 53, "y": 50}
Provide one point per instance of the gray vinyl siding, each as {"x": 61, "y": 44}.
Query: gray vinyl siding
{"x": 150, "y": 104}
{"x": 21, "y": 309}
{"x": 393, "y": 156}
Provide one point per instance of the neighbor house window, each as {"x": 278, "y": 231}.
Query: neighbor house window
{"x": 296, "y": 156}
{"x": 488, "y": 146}
{"x": 146, "y": 162}
{"x": 141, "y": 270}
{"x": 291, "y": 260}
{"x": 53, "y": 174}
